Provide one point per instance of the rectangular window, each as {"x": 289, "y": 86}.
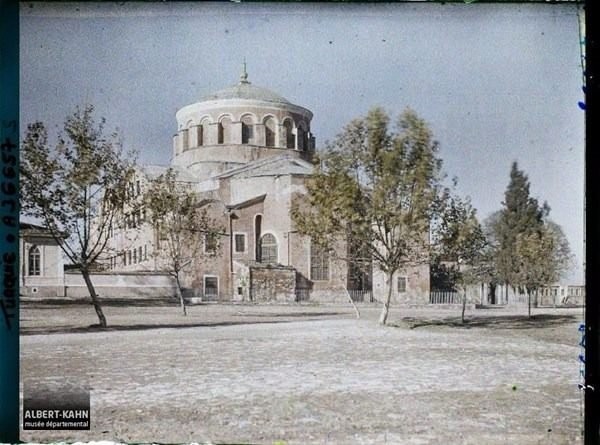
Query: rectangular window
{"x": 319, "y": 263}
{"x": 129, "y": 257}
{"x": 240, "y": 242}
{"x": 211, "y": 286}
{"x": 140, "y": 253}
{"x": 134, "y": 256}
{"x": 145, "y": 251}
{"x": 401, "y": 284}
{"x": 210, "y": 242}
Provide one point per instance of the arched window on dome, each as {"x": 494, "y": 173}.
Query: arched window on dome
{"x": 270, "y": 132}
{"x": 268, "y": 249}
{"x": 247, "y": 130}
{"x": 302, "y": 132}
{"x": 185, "y": 141}
{"x": 34, "y": 258}
{"x": 224, "y": 131}
{"x": 199, "y": 135}
{"x": 290, "y": 138}
{"x": 203, "y": 130}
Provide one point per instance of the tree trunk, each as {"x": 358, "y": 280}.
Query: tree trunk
{"x": 180, "y": 294}
{"x": 352, "y": 302}
{"x": 464, "y": 306}
{"x": 94, "y": 297}
{"x": 492, "y": 293}
{"x": 386, "y": 304}
{"x": 528, "y": 302}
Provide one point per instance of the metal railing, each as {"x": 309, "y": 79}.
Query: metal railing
{"x": 444, "y": 297}
{"x": 361, "y": 296}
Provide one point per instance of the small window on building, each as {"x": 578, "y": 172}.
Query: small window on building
{"x": 204, "y": 125}
{"x": 199, "y": 135}
{"x": 224, "y": 131}
{"x": 134, "y": 256}
{"x": 185, "y": 141}
{"x": 268, "y": 249}
{"x": 140, "y": 253}
{"x": 401, "y": 284}
{"x": 270, "y": 132}
{"x": 240, "y": 290}
{"x": 290, "y": 138}
{"x": 129, "y": 257}
{"x": 145, "y": 251}
{"x": 211, "y": 286}
{"x": 34, "y": 261}
{"x": 247, "y": 130}
{"x": 210, "y": 242}
{"x": 319, "y": 263}
{"x": 240, "y": 242}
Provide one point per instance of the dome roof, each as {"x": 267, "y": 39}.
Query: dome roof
{"x": 245, "y": 90}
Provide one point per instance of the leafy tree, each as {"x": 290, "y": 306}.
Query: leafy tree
{"x": 544, "y": 257}
{"x": 377, "y": 187}
{"x": 459, "y": 239}
{"x": 487, "y": 266}
{"x": 180, "y": 221}
{"x": 521, "y": 215}
{"x": 76, "y": 187}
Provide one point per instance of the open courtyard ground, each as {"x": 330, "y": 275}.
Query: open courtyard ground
{"x": 304, "y": 374}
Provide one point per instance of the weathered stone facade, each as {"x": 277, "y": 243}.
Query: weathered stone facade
{"x": 246, "y": 152}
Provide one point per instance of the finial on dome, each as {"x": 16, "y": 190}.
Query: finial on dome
{"x": 244, "y": 75}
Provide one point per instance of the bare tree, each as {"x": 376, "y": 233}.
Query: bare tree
{"x": 76, "y": 187}
{"x": 180, "y": 222}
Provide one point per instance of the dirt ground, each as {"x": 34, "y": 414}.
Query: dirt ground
{"x": 304, "y": 374}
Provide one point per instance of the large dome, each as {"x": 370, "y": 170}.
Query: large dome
{"x": 245, "y": 90}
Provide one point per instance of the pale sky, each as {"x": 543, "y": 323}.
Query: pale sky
{"x": 496, "y": 82}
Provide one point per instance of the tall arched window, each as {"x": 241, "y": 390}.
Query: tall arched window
{"x": 257, "y": 230}
{"x": 268, "y": 249}
{"x": 185, "y": 142}
{"x": 34, "y": 261}
{"x": 199, "y": 135}
{"x": 270, "y": 132}
{"x": 224, "y": 131}
{"x": 204, "y": 125}
{"x": 290, "y": 139}
{"x": 247, "y": 129}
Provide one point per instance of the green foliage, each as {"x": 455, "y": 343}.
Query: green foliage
{"x": 521, "y": 215}
{"x": 459, "y": 244}
{"x": 544, "y": 256}
{"x": 177, "y": 213}
{"x": 377, "y": 187}
{"x": 76, "y": 187}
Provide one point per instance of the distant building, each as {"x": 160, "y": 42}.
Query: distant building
{"x": 41, "y": 262}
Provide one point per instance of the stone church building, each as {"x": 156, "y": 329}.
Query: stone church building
{"x": 246, "y": 151}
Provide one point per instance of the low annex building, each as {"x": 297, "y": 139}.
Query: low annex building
{"x": 247, "y": 151}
